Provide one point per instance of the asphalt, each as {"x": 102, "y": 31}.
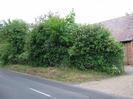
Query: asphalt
{"x": 21, "y": 86}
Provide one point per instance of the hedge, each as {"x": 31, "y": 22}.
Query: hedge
{"x": 48, "y": 43}
{"x": 59, "y": 41}
{"x": 95, "y": 48}
{"x": 13, "y": 33}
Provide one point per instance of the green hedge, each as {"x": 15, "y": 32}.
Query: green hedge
{"x": 94, "y": 48}
{"x": 48, "y": 43}
{"x": 13, "y": 33}
{"x": 59, "y": 41}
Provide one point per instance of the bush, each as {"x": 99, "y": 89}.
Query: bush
{"x": 48, "y": 43}
{"x": 5, "y": 53}
{"x": 14, "y": 34}
{"x": 94, "y": 48}
{"x": 55, "y": 41}
{"x": 23, "y": 58}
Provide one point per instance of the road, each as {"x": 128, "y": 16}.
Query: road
{"x": 20, "y": 86}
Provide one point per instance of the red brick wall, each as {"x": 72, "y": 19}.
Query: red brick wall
{"x": 128, "y": 53}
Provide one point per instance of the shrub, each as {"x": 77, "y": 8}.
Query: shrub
{"x": 48, "y": 43}
{"x": 55, "y": 41}
{"x": 23, "y": 58}
{"x": 5, "y": 53}
{"x": 14, "y": 33}
{"x": 94, "y": 48}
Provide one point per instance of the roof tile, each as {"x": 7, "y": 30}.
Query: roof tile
{"x": 121, "y": 28}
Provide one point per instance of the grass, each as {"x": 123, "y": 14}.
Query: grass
{"x": 62, "y": 74}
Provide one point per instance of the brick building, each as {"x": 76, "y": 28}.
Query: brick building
{"x": 122, "y": 30}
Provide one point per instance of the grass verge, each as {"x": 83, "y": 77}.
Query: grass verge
{"x": 62, "y": 74}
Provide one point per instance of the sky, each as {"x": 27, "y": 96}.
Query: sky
{"x": 87, "y": 11}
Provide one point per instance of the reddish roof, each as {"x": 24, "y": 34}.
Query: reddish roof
{"x": 121, "y": 28}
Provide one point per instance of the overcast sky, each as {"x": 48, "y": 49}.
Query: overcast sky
{"x": 87, "y": 11}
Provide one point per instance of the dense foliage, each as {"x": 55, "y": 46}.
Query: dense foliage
{"x": 48, "y": 43}
{"x": 14, "y": 33}
{"x": 56, "y": 41}
{"x": 94, "y": 48}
